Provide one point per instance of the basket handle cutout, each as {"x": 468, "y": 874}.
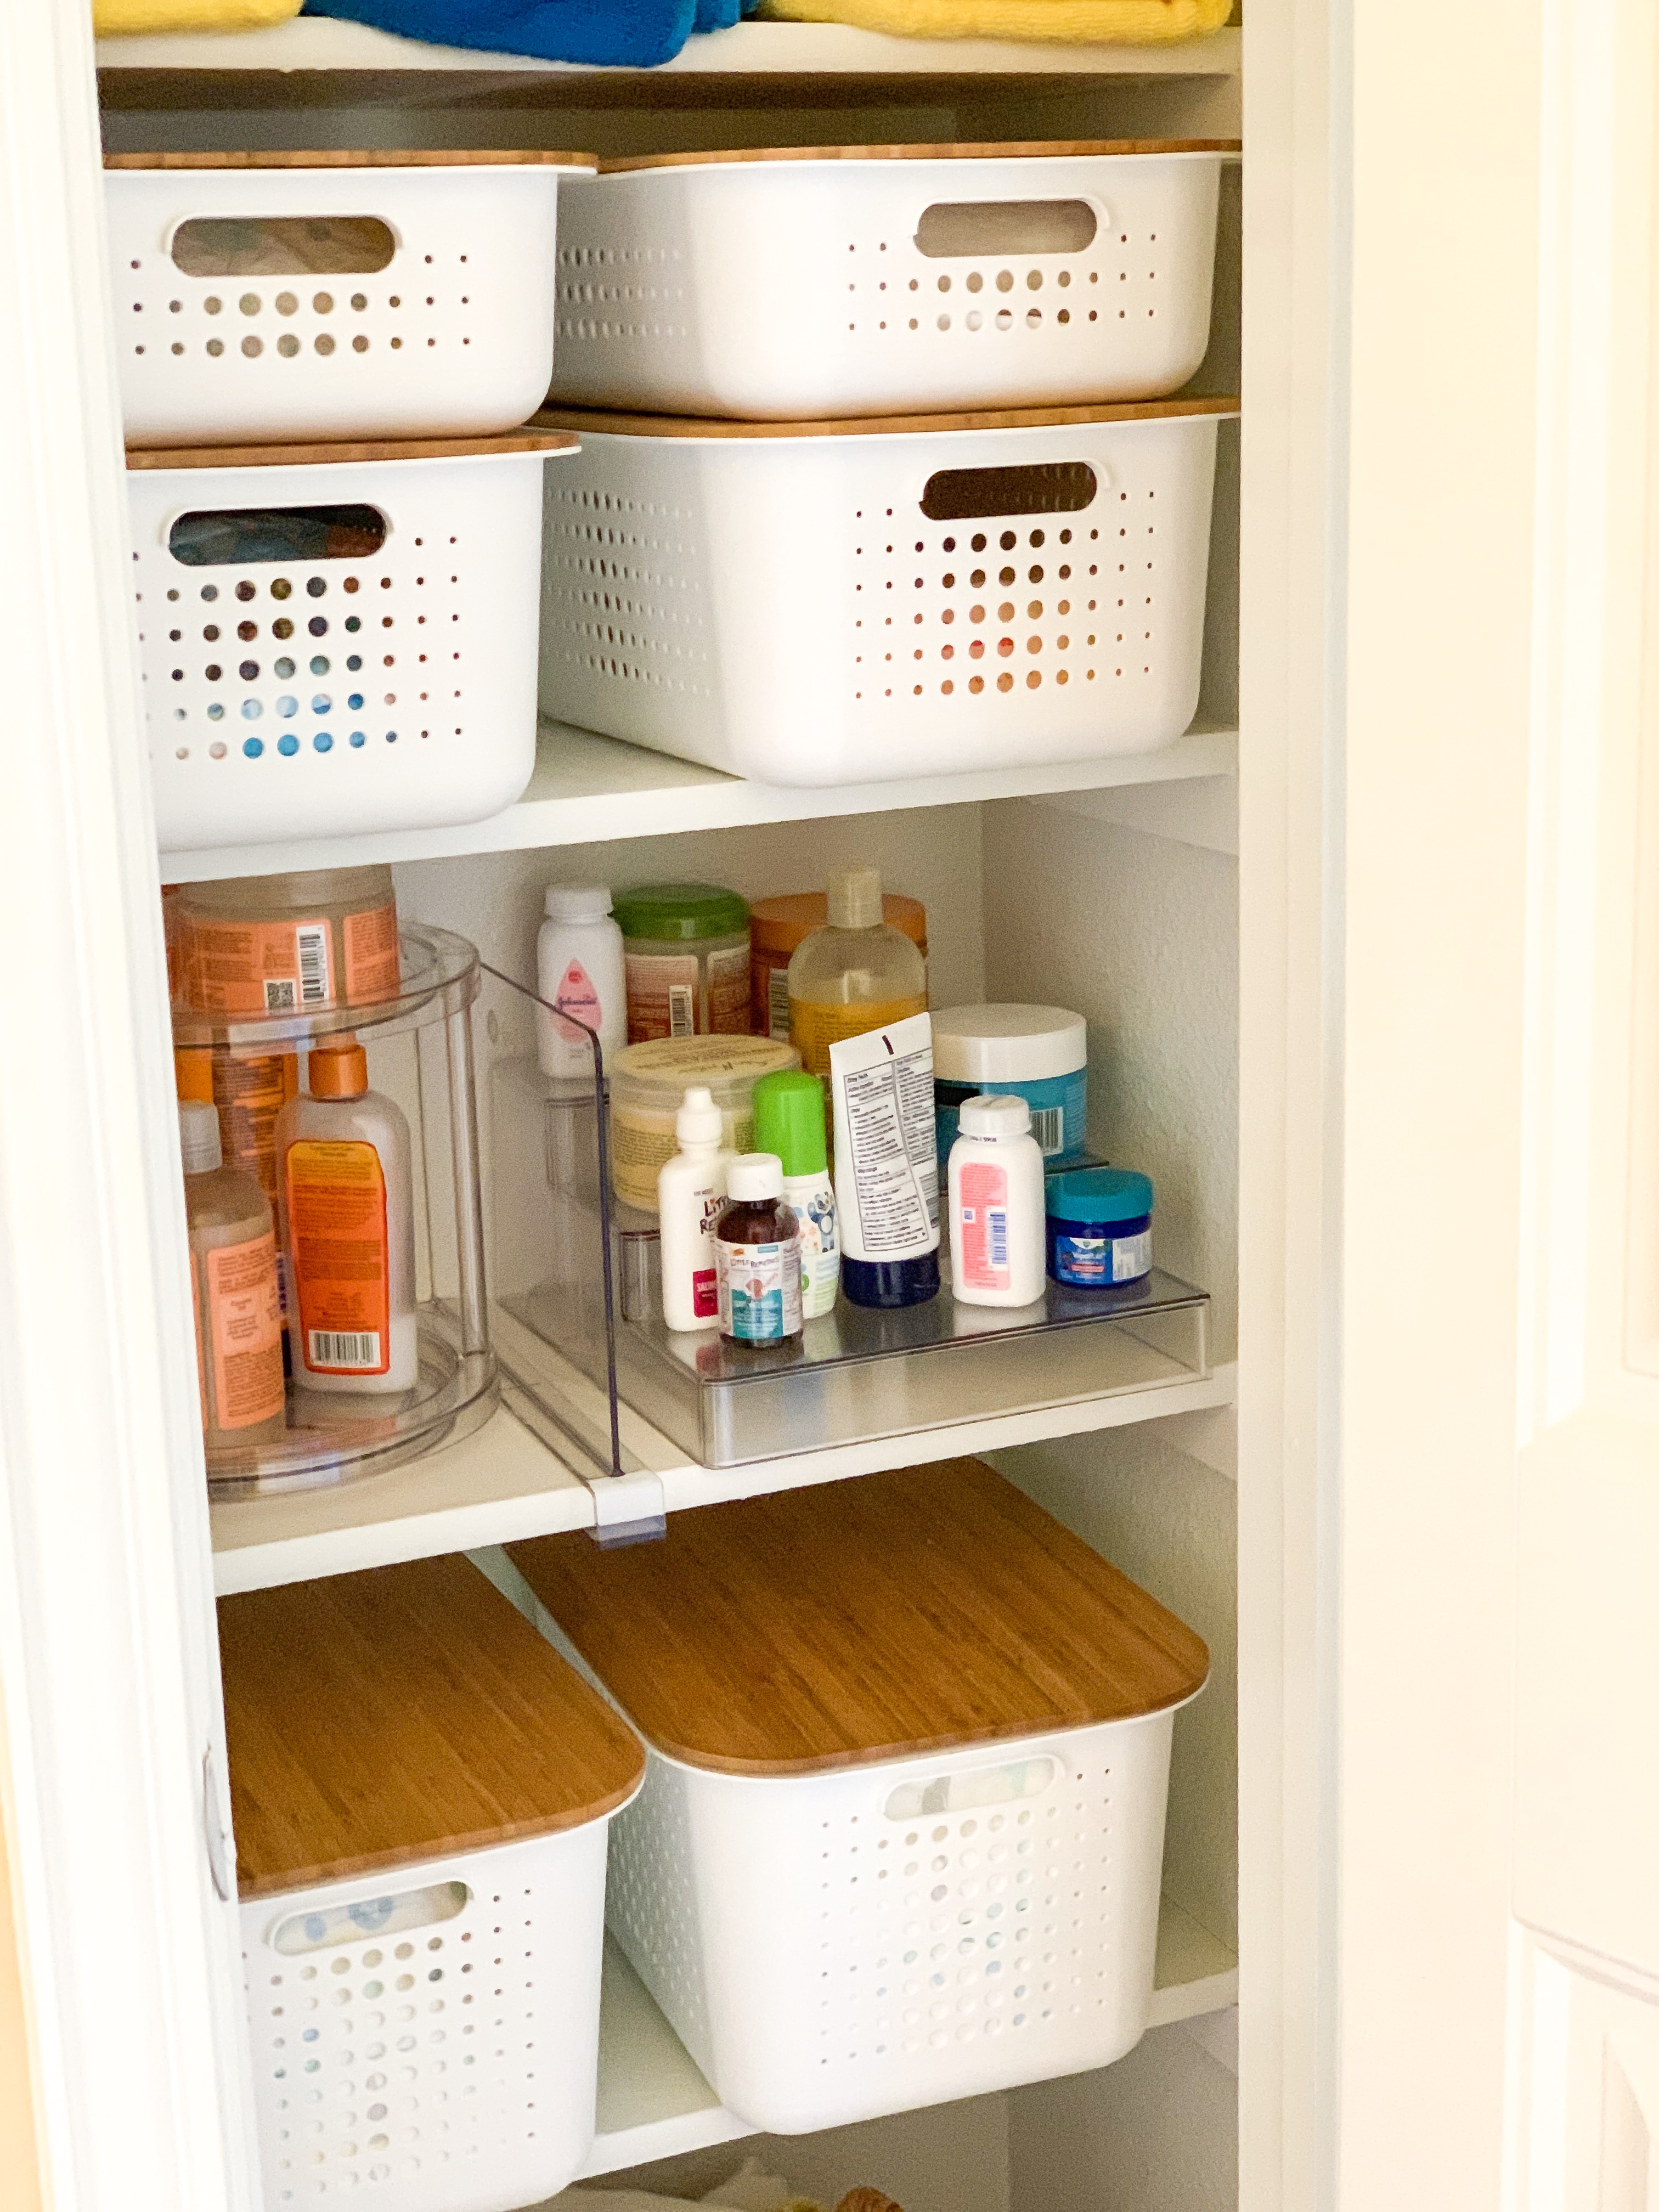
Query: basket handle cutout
{"x": 282, "y": 246}
{"x": 966, "y": 1792}
{"x": 1041, "y": 487}
{"x": 953, "y": 229}
{"x": 216, "y": 537}
{"x": 320, "y": 1930}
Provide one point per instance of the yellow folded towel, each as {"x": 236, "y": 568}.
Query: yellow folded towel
{"x": 127, "y": 19}
{"x": 1068, "y": 22}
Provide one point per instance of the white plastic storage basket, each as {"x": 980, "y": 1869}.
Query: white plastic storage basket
{"x": 337, "y": 639}
{"x": 870, "y": 280}
{"x": 422, "y": 1791}
{"x": 859, "y": 601}
{"x": 332, "y": 294}
{"x": 840, "y": 1919}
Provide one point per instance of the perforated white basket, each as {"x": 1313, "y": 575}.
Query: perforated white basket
{"x": 383, "y": 677}
{"x": 440, "y": 2060}
{"x": 824, "y": 1959}
{"x": 320, "y": 295}
{"x": 886, "y": 279}
{"x": 859, "y": 602}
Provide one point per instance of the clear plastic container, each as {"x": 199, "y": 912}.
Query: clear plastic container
{"x": 685, "y": 949}
{"x": 780, "y": 926}
{"x": 418, "y": 1045}
{"x": 276, "y": 945}
{"x": 854, "y": 974}
{"x": 650, "y": 1081}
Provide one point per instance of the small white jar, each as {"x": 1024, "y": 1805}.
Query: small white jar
{"x": 994, "y": 1190}
{"x": 579, "y": 968}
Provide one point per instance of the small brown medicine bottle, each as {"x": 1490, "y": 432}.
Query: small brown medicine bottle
{"x": 757, "y": 1254}
{"x": 233, "y": 1277}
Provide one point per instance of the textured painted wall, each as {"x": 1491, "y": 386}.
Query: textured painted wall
{"x": 1157, "y": 2132}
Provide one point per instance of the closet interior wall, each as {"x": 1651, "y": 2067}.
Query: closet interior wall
{"x": 1123, "y": 904}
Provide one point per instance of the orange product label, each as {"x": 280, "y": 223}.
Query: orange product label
{"x": 260, "y": 967}
{"x": 662, "y": 995}
{"x": 337, "y": 1234}
{"x": 814, "y": 1028}
{"x": 201, "y": 1351}
{"x": 250, "y": 1094}
{"x": 245, "y": 1316}
{"x": 371, "y": 955}
{"x": 729, "y": 992}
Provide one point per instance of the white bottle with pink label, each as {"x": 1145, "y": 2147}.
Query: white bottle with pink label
{"x": 995, "y": 1200}
{"x": 579, "y": 970}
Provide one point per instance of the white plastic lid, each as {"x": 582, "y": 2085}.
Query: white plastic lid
{"x": 1008, "y": 1044}
{"x": 198, "y": 1136}
{"x": 699, "y": 1120}
{"x": 755, "y": 1176}
{"x": 577, "y": 901}
{"x": 854, "y": 898}
{"x": 996, "y": 1118}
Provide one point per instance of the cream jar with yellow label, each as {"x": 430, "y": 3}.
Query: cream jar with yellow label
{"x": 648, "y": 1082}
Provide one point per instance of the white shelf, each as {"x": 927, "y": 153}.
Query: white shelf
{"x": 318, "y": 44}
{"x": 653, "y": 2103}
{"x": 588, "y": 788}
{"x": 502, "y": 1484}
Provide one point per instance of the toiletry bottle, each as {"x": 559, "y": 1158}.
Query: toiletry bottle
{"x": 757, "y": 1253}
{"x": 994, "y": 1198}
{"x": 690, "y": 1193}
{"x": 789, "y": 1121}
{"x": 348, "y": 1229}
{"x": 886, "y": 1164}
{"x": 853, "y": 975}
{"x": 579, "y": 967}
{"x": 233, "y": 1281}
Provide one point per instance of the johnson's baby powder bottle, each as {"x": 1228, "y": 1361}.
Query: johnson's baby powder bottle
{"x": 579, "y": 970}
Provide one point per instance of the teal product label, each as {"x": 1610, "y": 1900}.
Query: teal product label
{"x": 760, "y": 1292}
{"x": 1059, "y": 1104}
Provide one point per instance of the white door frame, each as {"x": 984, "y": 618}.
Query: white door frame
{"x": 107, "y": 1660}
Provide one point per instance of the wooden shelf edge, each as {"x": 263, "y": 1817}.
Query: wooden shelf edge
{"x": 587, "y": 789}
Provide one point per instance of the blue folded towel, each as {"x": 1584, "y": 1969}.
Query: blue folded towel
{"x": 628, "y": 33}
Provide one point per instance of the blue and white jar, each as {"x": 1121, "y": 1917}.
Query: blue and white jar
{"x": 1099, "y": 1228}
{"x": 1039, "y": 1054}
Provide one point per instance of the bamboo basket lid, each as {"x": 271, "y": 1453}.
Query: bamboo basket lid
{"x": 408, "y": 1714}
{"x": 616, "y": 422}
{"x": 856, "y": 1622}
{"x": 1037, "y": 149}
{"x": 361, "y": 157}
{"x": 530, "y": 439}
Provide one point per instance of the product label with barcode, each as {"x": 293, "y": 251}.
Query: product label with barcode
{"x": 662, "y": 995}
{"x": 983, "y": 1204}
{"x": 337, "y": 1213}
{"x": 1049, "y": 1127}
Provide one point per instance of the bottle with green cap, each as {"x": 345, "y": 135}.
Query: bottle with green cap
{"x": 789, "y": 1122}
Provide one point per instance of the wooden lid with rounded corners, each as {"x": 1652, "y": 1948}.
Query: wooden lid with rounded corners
{"x": 615, "y": 422}
{"x": 402, "y": 1716}
{"x": 1035, "y": 149}
{"x": 363, "y": 449}
{"x": 377, "y": 157}
{"x": 853, "y": 1622}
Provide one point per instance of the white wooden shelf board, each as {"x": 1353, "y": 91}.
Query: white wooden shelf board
{"x": 502, "y": 1484}
{"x": 653, "y": 2103}
{"x": 320, "y": 44}
{"x": 587, "y": 789}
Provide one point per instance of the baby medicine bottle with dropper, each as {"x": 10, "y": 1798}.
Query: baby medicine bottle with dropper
{"x": 347, "y": 1194}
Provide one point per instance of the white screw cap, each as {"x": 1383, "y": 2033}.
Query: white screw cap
{"x": 198, "y": 1136}
{"x": 577, "y": 901}
{"x": 997, "y": 1117}
{"x": 754, "y": 1176}
{"x": 854, "y": 898}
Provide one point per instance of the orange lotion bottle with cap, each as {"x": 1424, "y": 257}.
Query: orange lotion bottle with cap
{"x": 347, "y": 1217}
{"x": 233, "y": 1280}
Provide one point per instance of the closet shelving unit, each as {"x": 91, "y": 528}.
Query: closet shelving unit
{"x": 1145, "y": 838}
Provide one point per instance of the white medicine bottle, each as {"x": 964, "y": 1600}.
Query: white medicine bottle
{"x": 579, "y": 968}
{"x": 690, "y": 1193}
{"x": 995, "y": 1202}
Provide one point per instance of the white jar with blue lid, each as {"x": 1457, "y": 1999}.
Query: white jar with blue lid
{"x": 1039, "y": 1054}
{"x": 1099, "y": 1227}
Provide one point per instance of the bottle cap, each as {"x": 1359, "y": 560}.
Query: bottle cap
{"x": 854, "y": 898}
{"x": 1099, "y": 1194}
{"x": 338, "y": 1068}
{"x": 789, "y": 1120}
{"x": 680, "y": 914}
{"x": 198, "y": 1136}
{"x": 577, "y": 901}
{"x": 193, "y": 1073}
{"x": 753, "y": 1176}
{"x": 992, "y": 1045}
{"x": 699, "y": 1120}
{"x": 998, "y": 1118}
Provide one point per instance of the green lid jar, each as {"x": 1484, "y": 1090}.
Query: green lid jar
{"x": 685, "y": 951}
